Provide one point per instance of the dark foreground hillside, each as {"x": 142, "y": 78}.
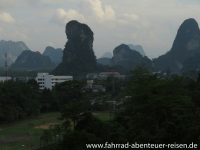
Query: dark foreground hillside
{"x": 150, "y": 109}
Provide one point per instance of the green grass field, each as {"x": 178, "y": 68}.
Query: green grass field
{"x": 25, "y": 135}
{"x": 104, "y": 116}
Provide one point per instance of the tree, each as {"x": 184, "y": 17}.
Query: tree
{"x": 160, "y": 110}
{"x": 18, "y": 100}
{"x": 48, "y": 101}
{"x": 67, "y": 92}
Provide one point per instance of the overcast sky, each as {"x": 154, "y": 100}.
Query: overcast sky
{"x": 150, "y": 23}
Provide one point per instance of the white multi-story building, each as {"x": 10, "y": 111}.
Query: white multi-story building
{"x": 3, "y": 79}
{"x": 47, "y": 81}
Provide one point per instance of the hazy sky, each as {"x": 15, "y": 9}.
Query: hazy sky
{"x": 150, "y": 23}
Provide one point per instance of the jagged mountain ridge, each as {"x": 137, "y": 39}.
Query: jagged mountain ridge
{"x": 32, "y": 61}
{"x": 137, "y": 48}
{"x": 54, "y": 54}
{"x": 126, "y": 57}
{"x": 13, "y": 50}
{"x": 78, "y": 54}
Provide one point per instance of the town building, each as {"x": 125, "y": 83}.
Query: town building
{"x": 95, "y": 87}
{"x": 3, "y": 79}
{"x": 47, "y": 81}
{"x": 105, "y": 75}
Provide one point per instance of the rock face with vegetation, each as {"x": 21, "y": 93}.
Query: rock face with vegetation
{"x": 13, "y": 50}
{"x": 185, "y": 50}
{"x": 128, "y": 59}
{"x": 32, "y": 61}
{"x": 54, "y": 54}
{"x": 78, "y": 56}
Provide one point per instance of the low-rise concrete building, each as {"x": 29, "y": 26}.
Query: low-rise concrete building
{"x": 47, "y": 81}
{"x": 105, "y": 75}
{"x": 3, "y": 79}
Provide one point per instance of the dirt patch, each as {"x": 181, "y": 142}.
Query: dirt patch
{"x": 45, "y": 126}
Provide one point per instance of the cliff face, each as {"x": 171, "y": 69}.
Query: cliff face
{"x": 78, "y": 56}
{"x": 186, "y": 46}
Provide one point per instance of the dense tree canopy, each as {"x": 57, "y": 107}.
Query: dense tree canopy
{"x": 18, "y": 100}
{"x": 154, "y": 108}
{"x": 160, "y": 110}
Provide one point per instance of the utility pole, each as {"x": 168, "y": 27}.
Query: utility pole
{"x": 6, "y": 65}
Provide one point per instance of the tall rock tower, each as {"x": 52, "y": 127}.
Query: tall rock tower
{"x": 185, "y": 51}
{"x": 78, "y": 57}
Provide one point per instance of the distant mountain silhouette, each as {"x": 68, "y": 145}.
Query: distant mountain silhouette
{"x": 78, "y": 57}
{"x": 32, "y": 61}
{"x": 138, "y": 48}
{"x": 185, "y": 50}
{"x": 128, "y": 58}
{"x": 13, "y": 50}
{"x": 107, "y": 55}
{"x": 105, "y": 61}
{"x": 54, "y": 54}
